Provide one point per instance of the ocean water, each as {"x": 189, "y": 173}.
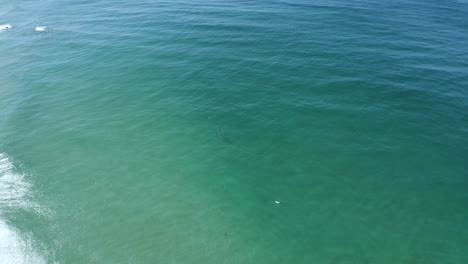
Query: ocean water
{"x": 164, "y": 131}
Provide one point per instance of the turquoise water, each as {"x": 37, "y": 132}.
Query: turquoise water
{"x": 352, "y": 114}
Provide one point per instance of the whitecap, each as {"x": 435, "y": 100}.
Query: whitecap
{"x": 14, "y": 194}
{"x": 13, "y": 188}
{"x": 14, "y": 249}
{"x": 41, "y": 28}
{"x": 5, "y": 27}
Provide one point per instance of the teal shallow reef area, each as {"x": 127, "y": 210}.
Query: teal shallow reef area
{"x": 234, "y": 132}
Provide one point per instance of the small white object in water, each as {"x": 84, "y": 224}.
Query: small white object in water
{"x": 5, "y": 27}
{"x": 41, "y": 28}
{"x": 277, "y": 202}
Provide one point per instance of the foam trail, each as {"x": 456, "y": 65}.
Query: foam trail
{"x": 14, "y": 190}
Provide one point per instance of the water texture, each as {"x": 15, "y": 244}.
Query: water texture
{"x": 164, "y": 131}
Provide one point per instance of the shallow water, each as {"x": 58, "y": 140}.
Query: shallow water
{"x": 353, "y": 115}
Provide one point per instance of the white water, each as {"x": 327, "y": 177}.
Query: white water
{"x": 14, "y": 190}
{"x": 5, "y": 27}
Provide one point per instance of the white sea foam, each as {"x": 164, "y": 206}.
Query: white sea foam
{"x": 14, "y": 192}
{"x": 41, "y": 28}
{"x": 5, "y": 27}
{"x": 14, "y": 250}
{"x": 13, "y": 187}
